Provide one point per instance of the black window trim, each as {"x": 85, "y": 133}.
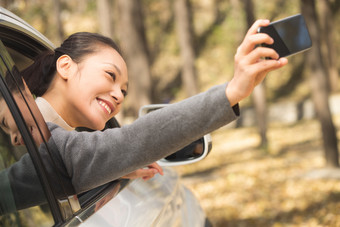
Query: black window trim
{"x": 31, "y": 148}
{"x": 96, "y": 196}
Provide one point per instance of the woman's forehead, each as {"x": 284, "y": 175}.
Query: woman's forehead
{"x": 111, "y": 57}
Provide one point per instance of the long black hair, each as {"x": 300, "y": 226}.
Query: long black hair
{"x": 39, "y": 75}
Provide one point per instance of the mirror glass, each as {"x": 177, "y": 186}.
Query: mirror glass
{"x": 192, "y": 151}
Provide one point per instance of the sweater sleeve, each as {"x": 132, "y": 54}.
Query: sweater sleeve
{"x": 95, "y": 158}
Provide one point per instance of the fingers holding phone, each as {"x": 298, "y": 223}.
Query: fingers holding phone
{"x": 290, "y": 35}
{"x": 250, "y": 67}
{"x": 265, "y": 40}
{"x": 253, "y": 38}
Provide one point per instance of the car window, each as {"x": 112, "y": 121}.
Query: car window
{"x": 31, "y": 131}
{"x": 62, "y": 186}
{"x": 22, "y": 198}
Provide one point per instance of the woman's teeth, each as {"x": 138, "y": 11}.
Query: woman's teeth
{"x": 103, "y": 104}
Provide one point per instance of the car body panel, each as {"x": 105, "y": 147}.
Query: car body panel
{"x": 161, "y": 201}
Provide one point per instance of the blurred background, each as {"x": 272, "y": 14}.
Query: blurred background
{"x": 278, "y": 164}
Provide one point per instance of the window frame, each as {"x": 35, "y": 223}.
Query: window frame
{"x": 89, "y": 200}
{"x": 21, "y": 37}
{"x": 30, "y": 145}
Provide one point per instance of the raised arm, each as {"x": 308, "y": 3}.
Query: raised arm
{"x": 95, "y": 158}
{"x": 250, "y": 66}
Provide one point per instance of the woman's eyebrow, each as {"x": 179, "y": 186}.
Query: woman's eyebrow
{"x": 118, "y": 70}
{"x": 116, "y": 67}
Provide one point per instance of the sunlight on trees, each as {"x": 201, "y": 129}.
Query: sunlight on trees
{"x": 254, "y": 187}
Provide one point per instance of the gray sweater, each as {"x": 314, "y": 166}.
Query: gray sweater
{"x": 95, "y": 158}
{"x": 85, "y": 160}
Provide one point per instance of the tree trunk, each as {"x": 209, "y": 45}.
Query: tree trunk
{"x": 81, "y": 6}
{"x": 134, "y": 47}
{"x": 185, "y": 34}
{"x": 5, "y": 3}
{"x": 104, "y": 9}
{"x": 319, "y": 85}
{"x": 58, "y": 22}
{"x": 327, "y": 19}
{"x": 259, "y": 93}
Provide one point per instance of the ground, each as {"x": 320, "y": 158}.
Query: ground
{"x": 240, "y": 184}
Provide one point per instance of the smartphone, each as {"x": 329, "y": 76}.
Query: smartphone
{"x": 290, "y": 35}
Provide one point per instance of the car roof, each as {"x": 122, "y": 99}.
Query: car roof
{"x": 14, "y": 31}
{"x": 10, "y": 20}
{"x": 22, "y": 41}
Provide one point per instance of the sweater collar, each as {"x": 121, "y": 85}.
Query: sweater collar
{"x": 50, "y": 115}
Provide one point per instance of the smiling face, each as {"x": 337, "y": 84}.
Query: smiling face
{"x": 94, "y": 88}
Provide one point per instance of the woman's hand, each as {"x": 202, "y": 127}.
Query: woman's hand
{"x": 146, "y": 173}
{"x": 251, "y": 66}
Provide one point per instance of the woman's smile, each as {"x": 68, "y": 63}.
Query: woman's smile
{"x": 107, "y": 106}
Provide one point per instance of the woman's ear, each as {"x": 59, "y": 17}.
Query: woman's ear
{"x": 63, "y": 66}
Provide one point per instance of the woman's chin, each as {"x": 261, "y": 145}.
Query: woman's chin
{"x": 94, "y": 122}
{"x": 101, "y": 128}
{"x": 98, "y": 125}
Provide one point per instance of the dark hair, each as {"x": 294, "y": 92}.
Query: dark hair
{"x": 39, "y": 75}
{"x": 14, "y": 81}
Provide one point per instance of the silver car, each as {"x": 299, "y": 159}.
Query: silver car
{"x": 34, "y": 193}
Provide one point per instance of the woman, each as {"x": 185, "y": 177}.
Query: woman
{"x": 86, "y": 90}
{"x": 91, "y": 84}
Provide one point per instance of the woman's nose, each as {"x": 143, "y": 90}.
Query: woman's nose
{"x": 118, "y": 96}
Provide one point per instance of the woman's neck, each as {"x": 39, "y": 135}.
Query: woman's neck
{"x": 59, "y": 104}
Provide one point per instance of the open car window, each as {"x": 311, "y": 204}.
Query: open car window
{"x": 61, "y": 198}
{"x": 24, "y": 124}
{"x": 22, "y": 196}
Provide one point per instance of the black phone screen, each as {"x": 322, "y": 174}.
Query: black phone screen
{"x": 290, "y": 35}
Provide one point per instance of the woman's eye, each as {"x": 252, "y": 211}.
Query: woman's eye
{"x": 111, "y": 74}
{"x": 124, "y": 92}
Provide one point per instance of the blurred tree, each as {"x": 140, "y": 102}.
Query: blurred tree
{"x": 134, "y": 45}
{"x": 185, "y": 34}
{"x": 81, "y": 5}
{"x": 318, "y": 79}
{"x": 335, "y": 6}
{"x": 59, "y": 25}
{"x": 259, "y": 93}
{"x": 104, "y": 9}
{"x": 327, "y": 18}
{"x": 5, "y": 3}
{"x": 280, "y": 4}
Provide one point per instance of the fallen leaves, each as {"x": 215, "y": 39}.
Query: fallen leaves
{"x": 239, "y": 184}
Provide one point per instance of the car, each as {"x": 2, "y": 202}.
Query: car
{"x": 33, "y": 192}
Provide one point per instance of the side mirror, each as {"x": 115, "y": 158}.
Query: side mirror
{"x": 192, "y": 153}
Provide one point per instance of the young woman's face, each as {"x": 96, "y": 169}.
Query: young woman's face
{"x": 96, "y": 89}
